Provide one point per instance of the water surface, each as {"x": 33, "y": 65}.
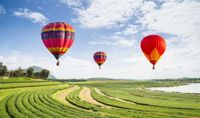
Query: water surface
{"x": 190, "y": 88}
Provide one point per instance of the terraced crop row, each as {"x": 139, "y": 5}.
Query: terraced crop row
{"x": 142, "y": 97}
{"x": 187, "y": 108}
{"x": 119, "y": 108}
{"x": 20, "y": 80}
{"x": 74, "y": 99}
{"x": 156, "y": 111}
{"x": 28, "y": 84}
{"x": 39, "y": 103}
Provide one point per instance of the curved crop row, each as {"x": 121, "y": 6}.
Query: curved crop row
{"x": 154, "y": 111}
{"x": 144, "y": 98}
{"x": 40, "y": 103}
{"x": 3, "y": 110}
{"x": 76, "y": 112}
{"x": 22, "y": 108}
{"x": 154, "y": 108}
{"x": 23, "y": 85}
{"x": 34, "y": 104}
{"x": 74, "y": 99}
{"x": 12, "y": 109}
{"x": 28, "y": 102}
{"x": 55, "y": 108}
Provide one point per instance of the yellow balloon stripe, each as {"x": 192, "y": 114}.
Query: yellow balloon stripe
{"x": 154, "y": 56}
{"x": 59, "y": 29}
{"x": 100, "y": 62}
{"x": 58, "y": 49}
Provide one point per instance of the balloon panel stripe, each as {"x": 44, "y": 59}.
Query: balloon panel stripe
{"x": 60, "y": 29}
{"x": 97, "y": 60}
{"x": 58, "y": 53}
{"x": 57, "y": 37}
{"x": 100, "y": 62}
{"x": 58, "y": 43}
{"x": 57, "y": 34}
{"x": 100, "y": 56}
{"x": 58, "y": 49}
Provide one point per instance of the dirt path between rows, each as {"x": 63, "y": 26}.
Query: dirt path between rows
{"x": 85, "y": 94}
{"x": 121, "y": 100}
{"x": 61, "y": 95}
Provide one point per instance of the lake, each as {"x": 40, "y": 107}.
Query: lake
{"x": 190, "y": 88}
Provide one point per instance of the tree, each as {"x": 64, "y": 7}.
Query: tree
{"x": 29, "y": 72}
{"x": 1, "y": 64}
{"x": 19, "y": 72}
{"x": 44, "y": 73}
{"x": 37, "y": 75}
{"x": 3, "y": 69}
{"x": 12, "y": 73}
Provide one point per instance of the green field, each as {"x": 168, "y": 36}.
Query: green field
{"x": 35, "y": 98}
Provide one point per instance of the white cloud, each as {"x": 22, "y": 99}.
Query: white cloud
{"x": 148, "y": 6}
{"x": 175, "y": 18}
{"x": 104, "y": 13}
{"x": 115, "y": 40}
{"x": 14, "y": 61}
{"x": 130, "y": 30}
{"x": 72, "y": 3}
{"x": 2, "y": 10}
{"x": 124, "y": 42}
{"x": 1, "y": 58}
{"x": 71, "y": 61}
{"x": 31, "y": 15}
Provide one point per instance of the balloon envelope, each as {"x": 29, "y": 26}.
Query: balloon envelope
{"x": 58, "y": 38}
{"x": 100, "y": 58}
{"x": 153, "y": 47}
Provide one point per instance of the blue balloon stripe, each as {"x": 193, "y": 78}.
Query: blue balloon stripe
{"x": 57, "y": 34}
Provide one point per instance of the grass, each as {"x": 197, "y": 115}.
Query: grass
{"x": 144, "y": 97}
{"x": 20, "y": 80}
{"x": 35, "y": 98}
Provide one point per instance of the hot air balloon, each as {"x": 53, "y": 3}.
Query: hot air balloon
{"x": 100, "y": 58}
{"x": 58, "y": 38}
{"x": 153, "y": 47}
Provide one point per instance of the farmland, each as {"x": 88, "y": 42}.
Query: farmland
{"x": 35, "y": 98}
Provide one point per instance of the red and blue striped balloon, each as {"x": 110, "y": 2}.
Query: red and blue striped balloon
{"x": 100, "y": 58}
{"x": 58, "y": 37}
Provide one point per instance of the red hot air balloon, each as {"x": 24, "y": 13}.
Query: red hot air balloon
{"x": 153, "y": 47}
{"x": 100, "y": 58}
{"x": 58, "y": 38}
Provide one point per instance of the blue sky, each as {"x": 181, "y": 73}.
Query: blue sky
{"x": 113, "y": 26}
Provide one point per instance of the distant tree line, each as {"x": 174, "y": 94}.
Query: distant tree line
{"x": 72, "y": 80}
{"x": 3, "y": 69}
{"x": 43, "y": 74}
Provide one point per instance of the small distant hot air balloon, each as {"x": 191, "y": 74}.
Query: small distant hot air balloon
{"x": 153, "y": 47}
{"x": 58, "y": 38}
{"x": 100, "y": 58}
